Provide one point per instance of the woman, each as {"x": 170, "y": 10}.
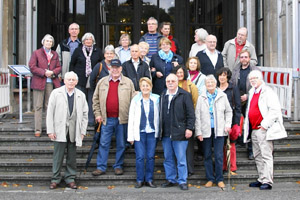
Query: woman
{"x": 213, "y": 122}
{"x": 123, "y": 51}
{"x": 144, "y": 49}
{"x": 165, "y": 29}
{"x": 45, "y": 67}
{"x": 83, "y": 60}
{"x": 162, "y": 65}
{"x": 233, "y": 95}
{"x": 190, "y": 87}
{"x": 195, "y": 75}
{"x": 102, "y": 69}
{"x": 200, "y": 36}
{"x": 143, "y": 129}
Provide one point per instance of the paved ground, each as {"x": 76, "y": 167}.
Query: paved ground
{"x": 280, "y": 191}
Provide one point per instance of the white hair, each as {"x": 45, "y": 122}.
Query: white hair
{"x": 48, "y": 37}
{"x": 256, "y": 74}
{"x": 88, "y": 35}
{"x": 71, "y": 74}
{"x": 109, "y": 48}
{"x": 75, "y": 25}
{"x": 210, "y": 77}
{"x": 152, "y": 19}
{"x": 202, "y": 34}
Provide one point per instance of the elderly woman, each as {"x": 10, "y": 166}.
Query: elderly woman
{"x": 190, "y": 87}
{"x": 200, "y": 36}
{"x": 143, "y": 129}
{"x": 83, "y": 60}
{"x": 102, "y": 69}
{"x": 165, "y": 30}
{"x": 213, "y": 122}
{"x": 233, "y": 95}
{"x": 123, "y": 51}
{"x": 162, "y": 65}
{"x": 195, "y": 75}
{"x": 144, "y": 49}
{"x": 45, "y": 67}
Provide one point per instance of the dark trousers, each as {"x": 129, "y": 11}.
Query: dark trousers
{"x": 190, "y": 154}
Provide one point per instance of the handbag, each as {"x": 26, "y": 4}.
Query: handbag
{"x": 234, "y": 132}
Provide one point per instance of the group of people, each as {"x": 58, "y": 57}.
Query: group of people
{"x": 143, "y": 93}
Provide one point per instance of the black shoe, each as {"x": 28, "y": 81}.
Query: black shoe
{"x": 138, "y": 185}
{"x": 183, "y": 186}
{"x": 255, "y": 184}
{"x": 265, "y": 186}
{"x": 168, "y": 184}
{"x": 250, "y": 157}
{"x": 150, "y": 184}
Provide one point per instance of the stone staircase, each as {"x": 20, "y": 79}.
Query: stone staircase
{"x": 25, "y": 159}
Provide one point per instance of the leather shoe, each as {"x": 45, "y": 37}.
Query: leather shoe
{"x": 72, "y": 185}
{"x": 150, "y": 184}
{"x": 168, "y": 184}
{"x": 118, "y": 171}
{"x": 53, "y": 185}
{"x": 98, "y": 172}
{"x": 255, "y": 184}
{"x": 265, "y": 186}
{"x": 138, "y": 185}
{"x": 250, "y": 157}
{"x": 183, "y": 186}
{"x": 221, "y": 184}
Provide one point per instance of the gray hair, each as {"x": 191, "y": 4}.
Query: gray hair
{"x": 256, "y": 74}
{"x": 172, "y": 74}
{"x": 88, "y": 35}
{"x": 48, "y": 36}
{"x": 109, "y": 48}
{"x": 210, "y": 77}
{"x": 124, "y": 35}
{"x": 71, "y": 74}
{"x": 201, "y": 33}
{"x": 152, "y": 18}
{"x": 74, "y": 24}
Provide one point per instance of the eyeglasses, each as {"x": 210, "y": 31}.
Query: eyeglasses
{"x": 170, "y": 81}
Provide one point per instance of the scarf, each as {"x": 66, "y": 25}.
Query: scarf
{"x": 88, "y": 64}
{"x": 166, "y": 57}
{"x": 195, "y": 73}
{"x": 211, "y": 100}
{"x": 48, "y": 54}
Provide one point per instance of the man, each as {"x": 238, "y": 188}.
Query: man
{"x": 233, "y": 47}
{"x": 264, "y": 119}
{"x": 239, "y": 79}
{"x": 135, "y": 68}
{"x": 67, "y": 119}
{"x": 66, "y": 48}
{"x": 211, "y": 60}
{"x": 177, "y": 125}
{"x": 111, "y": 102}
{"x": 152, "y": 37}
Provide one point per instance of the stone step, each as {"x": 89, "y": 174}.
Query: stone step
{"x": 86, "y": 179}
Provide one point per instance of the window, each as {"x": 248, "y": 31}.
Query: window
{"x": 260, "y": 31}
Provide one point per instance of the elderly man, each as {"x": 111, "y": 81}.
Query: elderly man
{"x": 111, "y": 102}
{"x": 66, "y": 48}
{"x": 239, "y": 79}
{"x": 177, "y": 125}
{"x": 152, "y": 37}
{"x": 135, "y": 68}
{"x": 67, "y": 119}
{"x": 233, "y": 47}
{"x": 211, "y": 59}
{"x": 264, "y": 119}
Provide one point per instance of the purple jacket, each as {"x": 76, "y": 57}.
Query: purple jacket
{"x": 38, "y": 64}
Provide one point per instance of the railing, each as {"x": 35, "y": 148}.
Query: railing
{"x": 280, "y": 80}
{"x": 4, "y": 91}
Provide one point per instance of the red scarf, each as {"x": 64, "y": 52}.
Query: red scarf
{"x": 195, "y": 73}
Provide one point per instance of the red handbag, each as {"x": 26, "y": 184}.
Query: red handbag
{"x": 234, "y": 132}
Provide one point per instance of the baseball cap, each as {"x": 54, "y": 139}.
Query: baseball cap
{"x": 115, "y": 62}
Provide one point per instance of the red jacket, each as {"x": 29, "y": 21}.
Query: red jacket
{"x": 38, "y": 64}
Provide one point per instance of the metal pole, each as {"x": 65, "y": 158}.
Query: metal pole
{"x": 28, "y": 94}
{"x": 20, "y": 99}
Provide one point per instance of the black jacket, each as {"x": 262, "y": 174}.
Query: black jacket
{"x": 159, "y": 84}
{"x": 78, "y": 62}
{"x": 234, "y": 98}
{"x": 207, "y": 66}
{"x": 130, "y": 72}
{"x": 94, "y": 78}
{"x": 182, "y": 114}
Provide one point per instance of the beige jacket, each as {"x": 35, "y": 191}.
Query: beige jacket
{"x": 125, "y": 94}
{"x": 222, "y": 115}
{"x": 57, "y": 114}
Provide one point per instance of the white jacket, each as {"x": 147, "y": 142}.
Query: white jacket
{"x": 57, "y": 114}
{"x": 270, "y": 110}
{"x": 135, "y": 116}
{"x": 222, "y": 115}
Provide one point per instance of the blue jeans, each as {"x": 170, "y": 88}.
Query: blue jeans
{"x": 208, "y": 144}
{"x": 174, "y": 149}
{"x": 145, "y": 148}
{"x": 112, "y": 126}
